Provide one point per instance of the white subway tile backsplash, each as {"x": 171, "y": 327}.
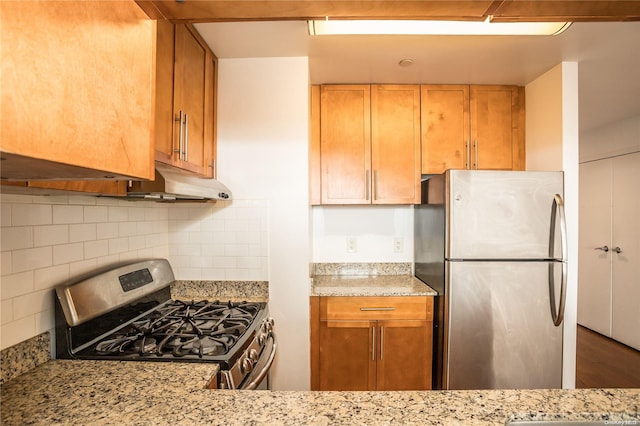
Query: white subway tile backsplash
{"x": 49, "y": 235}
{"x": 30, "y": 259}
{"x": 50, "y": 277}
{"x": 236, "y": 250}
{"x": 118, "y": 214}
{"x": 118, "y": 245}
{"x": 49, "y": 241}
{"x": 5, "y": 263}
{"x": 5, "y": 215}
{"x": 18, "y": 237}
{"x": 95, "y": 214}
{"x": 96, "y": 249}
{"x": 31, "y": 214}
{"x": 6, "y": 311}
{"x": 68, "y": 214}
{"x": 137, "y": 242}
{"x": 17, "y": 331}
{"x": 107, "y": 230}
{"x": 83, "y": 232}
{"x": 225, "y": 262}
{"x": 32, "y": 303}
{"x": 67, "y": 253}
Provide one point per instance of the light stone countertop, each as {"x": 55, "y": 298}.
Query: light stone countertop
{"x": 71, "y": 392}
{"x": 369, "y": 285}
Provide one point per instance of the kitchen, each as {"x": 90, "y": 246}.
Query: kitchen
{"x": 271, "y": 196}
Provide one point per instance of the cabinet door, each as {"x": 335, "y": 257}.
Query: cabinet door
{"x": 594, "y": 266}
{"x": 165, "y": 54}
{"x": 625, "y": 315}
{"x": 191, "y": 102}
{"x": 345, "y": 144}
{"x": 77, "y": 98}
{"x": 405, "y": 357}
{"x": 496, "y": 128}
{"x": 445, "y": 128}
{"x": 395, "y": 144}
{"x": 347, "y": 355}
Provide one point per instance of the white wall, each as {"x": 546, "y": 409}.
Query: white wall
{"x": 374, "y": 229}
{"x": 263, "y": 134}
{"x": 618, "y": 138}
{"x": 552, "y": 144}
{"x": 47, "y": 241}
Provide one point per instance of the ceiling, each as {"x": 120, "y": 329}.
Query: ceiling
{"x": 608, "y": 54}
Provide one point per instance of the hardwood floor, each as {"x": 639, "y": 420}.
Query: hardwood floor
{"x": 604, "y": 363}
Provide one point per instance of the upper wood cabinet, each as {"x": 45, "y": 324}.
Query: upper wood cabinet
{"x": 185, "y": 112}
{"x": 77, "y": 90}
{"x": 472, "y": 127}
{"x": 369, "y": 144}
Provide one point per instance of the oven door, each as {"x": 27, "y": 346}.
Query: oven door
{"x": 259, "y": 379}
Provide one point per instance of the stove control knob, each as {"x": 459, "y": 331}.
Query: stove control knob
{"x": 262, "y": 339}
{"x": 253, "y": 354}
{"x": 247, "y": 365}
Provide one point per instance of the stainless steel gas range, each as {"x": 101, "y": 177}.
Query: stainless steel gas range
{"x": 127, "y": 314}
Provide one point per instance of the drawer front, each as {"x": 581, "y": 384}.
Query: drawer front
{"x": 376, "y": 308}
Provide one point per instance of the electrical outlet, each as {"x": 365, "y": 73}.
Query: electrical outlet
{"x": 352, "y": 245}
{"x": 398, "y": 245}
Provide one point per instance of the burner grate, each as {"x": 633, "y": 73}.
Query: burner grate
{"x": 180, "y": 329}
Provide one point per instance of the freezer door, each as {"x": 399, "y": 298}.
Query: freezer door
{"x": 500, "y": 215}
{"x": 500, "y": 331}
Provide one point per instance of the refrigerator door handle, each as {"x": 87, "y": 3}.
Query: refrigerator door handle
{"x": 557, "y": 209}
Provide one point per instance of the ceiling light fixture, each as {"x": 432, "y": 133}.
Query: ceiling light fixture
{"x": 406, "y": 27}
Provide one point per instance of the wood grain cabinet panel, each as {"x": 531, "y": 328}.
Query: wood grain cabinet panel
{"x": 77, "y": 90}
{"x": 371, "y": 343}
{"x": 345, "y": 144}
{"x": 369, "y": 144}
{"x": 185, "y": 112}
{"x": 478, "y": 127}
{"x": 497, "y": 131}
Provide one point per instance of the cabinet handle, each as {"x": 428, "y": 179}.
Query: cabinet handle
{"x": 475, "y": 159}
{"x": 468, "y": 159}
{"x": 179, "y": 119}
{"x": 186, "y": 137}
{"x": 373, "y": 343}
{"x": 378, "y": 309}
{"x": 367, "y": 178}
{"x": 381, "y": 342}
{"x": 617, "y": 249}
{"x": 603, "y": 248}
{"x": 375, "y": 184}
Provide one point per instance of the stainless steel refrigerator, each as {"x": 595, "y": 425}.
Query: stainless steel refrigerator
{"x": 493, "y": 244}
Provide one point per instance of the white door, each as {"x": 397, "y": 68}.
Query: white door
{"x": 609, "y": 280}
{"x": 594, "y": 265}
{"x": 626, "y": 263}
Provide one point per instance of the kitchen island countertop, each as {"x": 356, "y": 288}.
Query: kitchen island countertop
{"x": 159, "y": 393}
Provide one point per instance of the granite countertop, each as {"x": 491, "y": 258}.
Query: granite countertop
{"x": 366, "y": 279}
{"x": 159, "y": 393}
{"x": 369, "y": 285}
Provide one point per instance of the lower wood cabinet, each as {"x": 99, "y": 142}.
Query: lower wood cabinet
{"x": 371, "y": 343}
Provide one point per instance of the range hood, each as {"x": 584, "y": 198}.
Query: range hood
{"x": 171, "y": 186}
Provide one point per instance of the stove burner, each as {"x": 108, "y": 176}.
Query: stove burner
{"x": 183, "y": 328}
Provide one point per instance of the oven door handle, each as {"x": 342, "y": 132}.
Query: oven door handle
{"x": 258, "y": 379}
